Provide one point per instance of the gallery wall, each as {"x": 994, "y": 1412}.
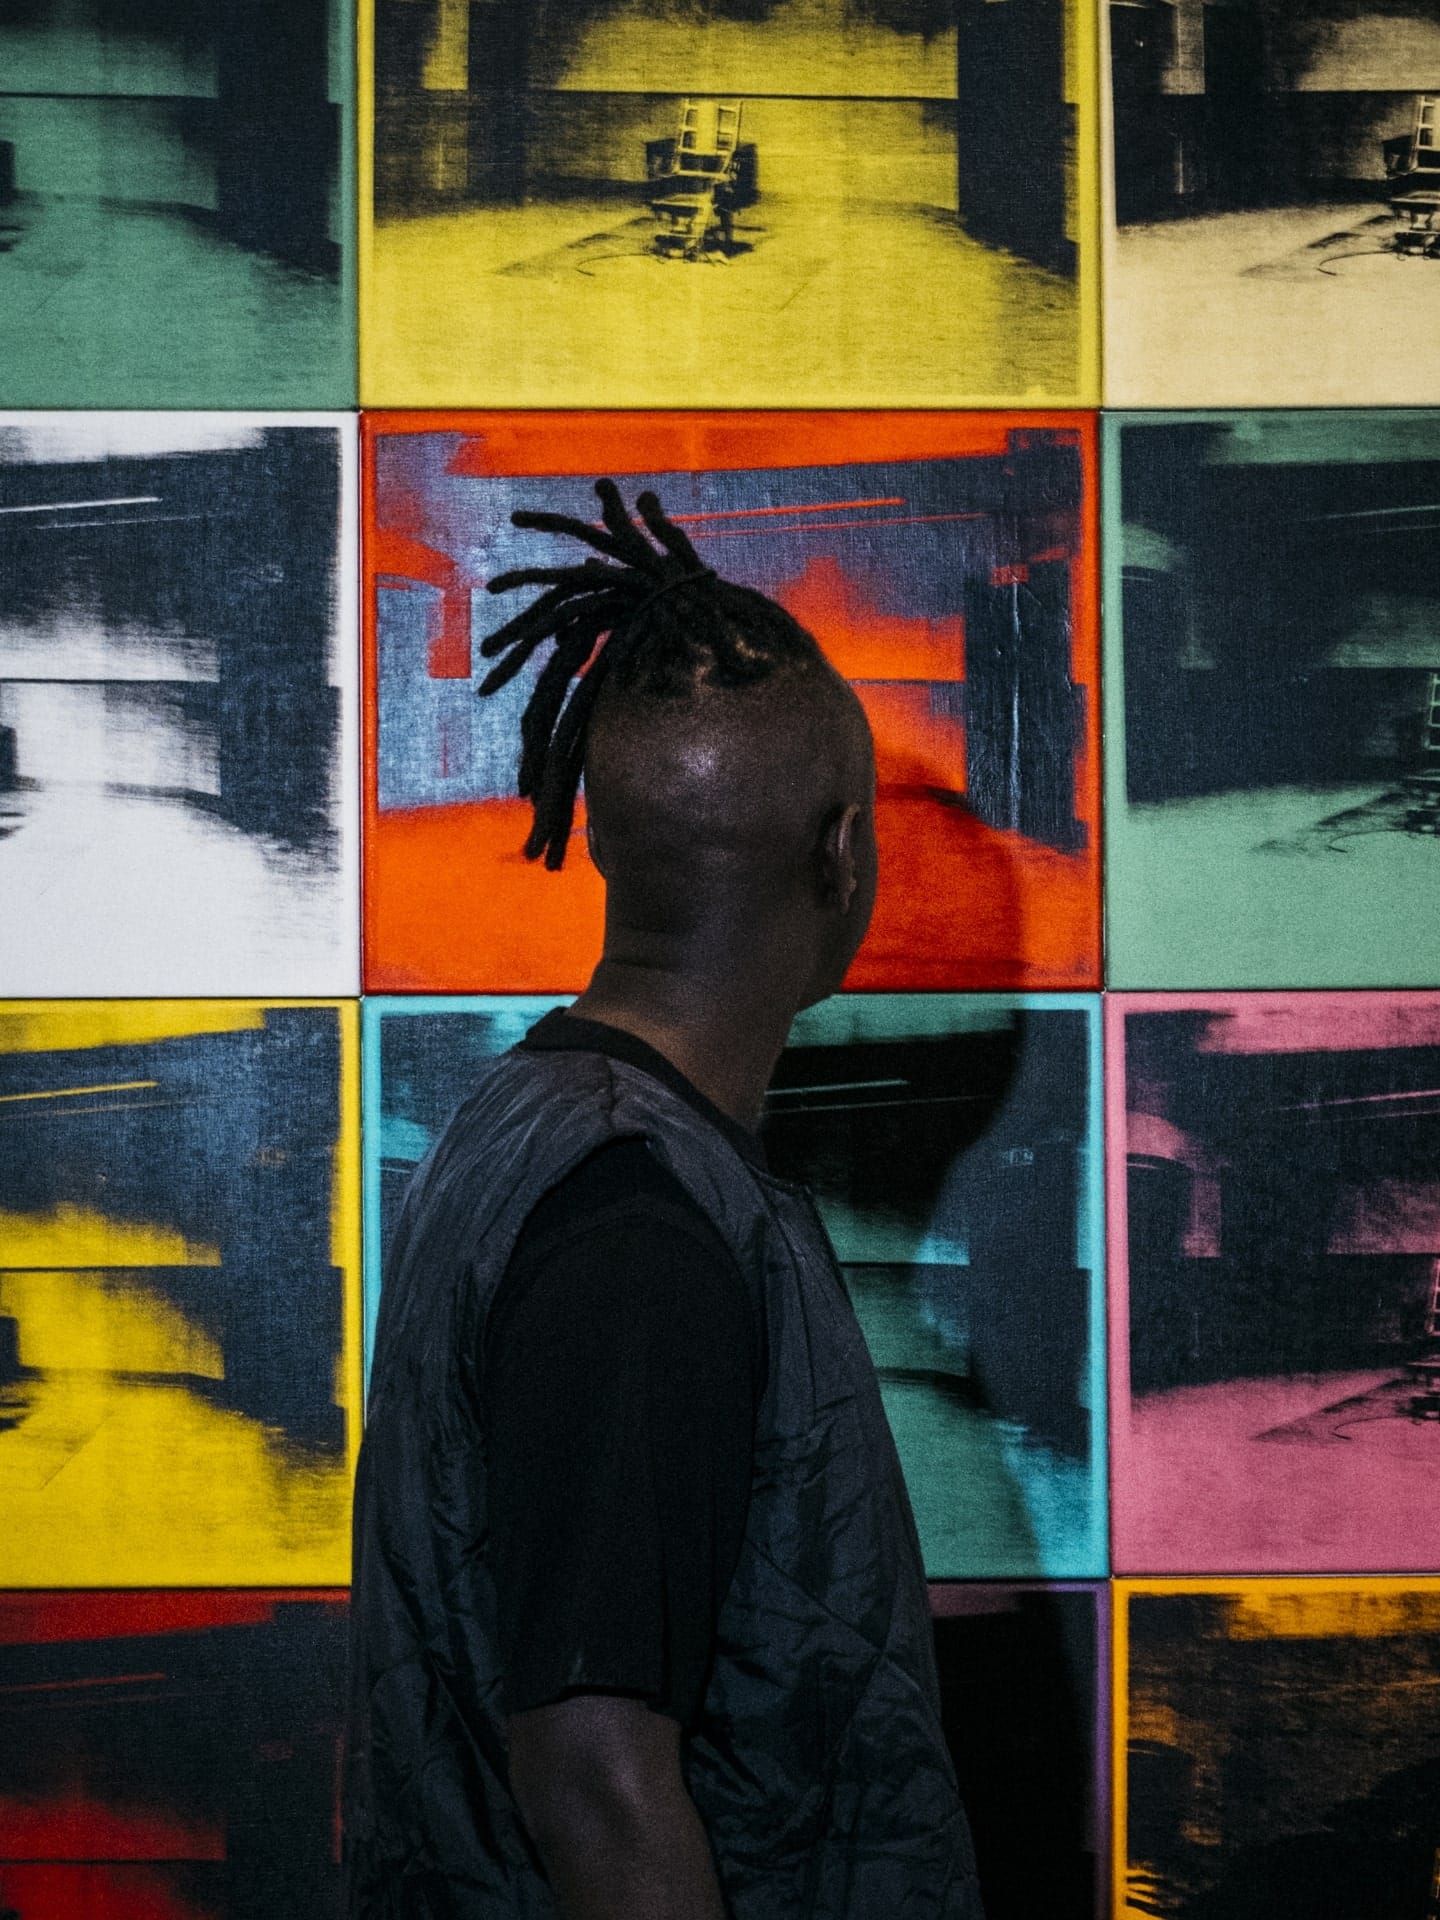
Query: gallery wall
{"x": 1126, "y": 1127}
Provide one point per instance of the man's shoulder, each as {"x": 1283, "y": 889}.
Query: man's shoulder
{"x": 623, "y": 1182}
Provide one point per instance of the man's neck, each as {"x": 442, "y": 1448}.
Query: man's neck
{"x": 723, "y": 1037}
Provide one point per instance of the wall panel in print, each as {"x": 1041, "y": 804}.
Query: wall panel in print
{"x": 736, "y": 203}
{"x": 1279, "y": 1749}
{"x": 1025, "y": 1694}
{"x": 952, "y": 1145}
{"x": 943, "y": 561}
{"x": 179, "y": 1292}
{"x": 169, "y": 1756}
{"x": 178, "y": 696}
{"x": 1276, "y": 239}
{"x": 1275, "y": 1220}
{"x": 176, "y": 200}
{"x": 1273, "y": 699}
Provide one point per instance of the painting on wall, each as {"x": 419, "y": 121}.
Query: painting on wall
{"x": 1275, "y": 213}
{"x": 1275, "y": 1262}
{"x": 731, "y": 203}
{"x": 952, "y": 1145}
{"x": 1272, "y": 588}
{"x": 171, "y": 1755}
{"x": 1025, "y": 1695}
{"x": 944, "y": 562}
{"x": 178, "y": 704}
{"x": 176, "y": 200}
{"x": 179, "y": 1292}
{"x": 1278, "y": 1750}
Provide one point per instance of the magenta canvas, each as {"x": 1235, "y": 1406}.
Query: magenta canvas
{"x": 1273, "y": 1187}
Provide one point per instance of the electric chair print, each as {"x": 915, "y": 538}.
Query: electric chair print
{"x": 698, "y": 181}
{"x": 1413, "y": 165}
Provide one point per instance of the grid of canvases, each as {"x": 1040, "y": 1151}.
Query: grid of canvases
{"x": 1145, "y": 1239}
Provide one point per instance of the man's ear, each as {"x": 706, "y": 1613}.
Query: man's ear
{"x": 592, "y": 842}
{"x": 839, "y": 867}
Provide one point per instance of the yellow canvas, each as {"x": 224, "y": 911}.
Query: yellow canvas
{"x": 179, "y": 1292}
{"x": 1277, "y": 1747}
{"x": 1273, "y": 203}
{"x": 733, "y": 203}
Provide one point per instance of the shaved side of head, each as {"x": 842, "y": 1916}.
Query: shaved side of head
{"x": 725, "y": 787}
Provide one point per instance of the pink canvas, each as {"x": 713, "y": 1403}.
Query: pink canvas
{"x": 1274, "y": 1338}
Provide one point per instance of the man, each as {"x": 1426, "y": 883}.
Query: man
{"x": 640, "y": 1622}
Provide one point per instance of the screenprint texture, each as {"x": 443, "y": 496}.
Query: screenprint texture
{"x": 1275, "y": 232}
{"x": 176, "y": 199}
{"x": 952, "y": 1146}
{"x": 1275, "y": 1252}
{"x": 1272, "y": 603}
{"x": 954, "y": 593}
{"x": 170, "y": 1755}
{"x": 739, "y": 203}
{"x": 1280, "y": 1750}
{"x": 178, "y": 705}
{"x": 178, "y": 1293}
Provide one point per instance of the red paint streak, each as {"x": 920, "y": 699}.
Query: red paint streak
{"x": 97, "y": 1893}
{"x": 410, "y": 559}
{"x": 42, "y": 1619}
{"x": 404, "y": 558}
{"x": 753, "y": 513}
{"x": 843, "y": 526}
{"x": 101, "y": 1680}
{"x": 863, "y": 642}
{"x": 1009, "y": 576}
{"x": 640, "y": 442}
{"x": 75, "y": 1826}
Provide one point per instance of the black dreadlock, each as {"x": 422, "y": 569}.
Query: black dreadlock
{"x": 623, "y": 625}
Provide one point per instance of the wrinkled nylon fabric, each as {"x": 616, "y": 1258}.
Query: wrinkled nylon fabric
{"x": 817, "y": 1763}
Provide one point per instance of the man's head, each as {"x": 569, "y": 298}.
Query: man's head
{"x": 729, "y": 772}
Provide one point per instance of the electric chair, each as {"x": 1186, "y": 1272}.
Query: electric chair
{"x": 1413, "y": 165}
{"x": 697, "y": 181}
{"x": 1421, "y": 787}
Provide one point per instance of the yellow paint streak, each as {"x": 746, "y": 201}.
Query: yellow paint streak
{"x": 1352, "y": 1614}
{"x": 47, "y": 1026}
{"x": 121, "y": 1483}
{"x": 345, "y": 1212}
{"x": 75, "y": 1236}
{"x": 803, "y": 50}
{"x": 1152, "y": 1720}
{"x": 1082, "y": 50}
{"x": 105, "y": 1322}
{"x": 73, "y": 1093}
{"x": 364, "y": 174}
{"x": 1120, "y": 1746}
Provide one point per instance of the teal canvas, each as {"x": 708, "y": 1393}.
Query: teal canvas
{"x": 952, "y": 1143}
{"x": 1272, "y": 699}
{"x": 176, "y": 204}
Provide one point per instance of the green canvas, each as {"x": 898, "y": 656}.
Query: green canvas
{"x": 1272, "y": 699}
{"x": 176, "y": 205}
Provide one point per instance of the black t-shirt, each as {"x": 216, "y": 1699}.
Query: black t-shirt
{"x": 623, "y": 1365}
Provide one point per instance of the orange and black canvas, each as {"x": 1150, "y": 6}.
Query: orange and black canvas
{"x": 944, "y": 562}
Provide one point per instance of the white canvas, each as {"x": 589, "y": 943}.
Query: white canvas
{"x": 179, "y": 704}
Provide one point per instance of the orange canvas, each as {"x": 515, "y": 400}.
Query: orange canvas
{"x": 946, "y": 563}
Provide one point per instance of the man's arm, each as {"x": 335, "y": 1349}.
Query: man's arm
{"x": 597, "y": 1779}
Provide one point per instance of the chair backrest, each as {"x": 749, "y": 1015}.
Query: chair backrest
{"x": 1427, "y": 133}
{"x": 708, "y": 128}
